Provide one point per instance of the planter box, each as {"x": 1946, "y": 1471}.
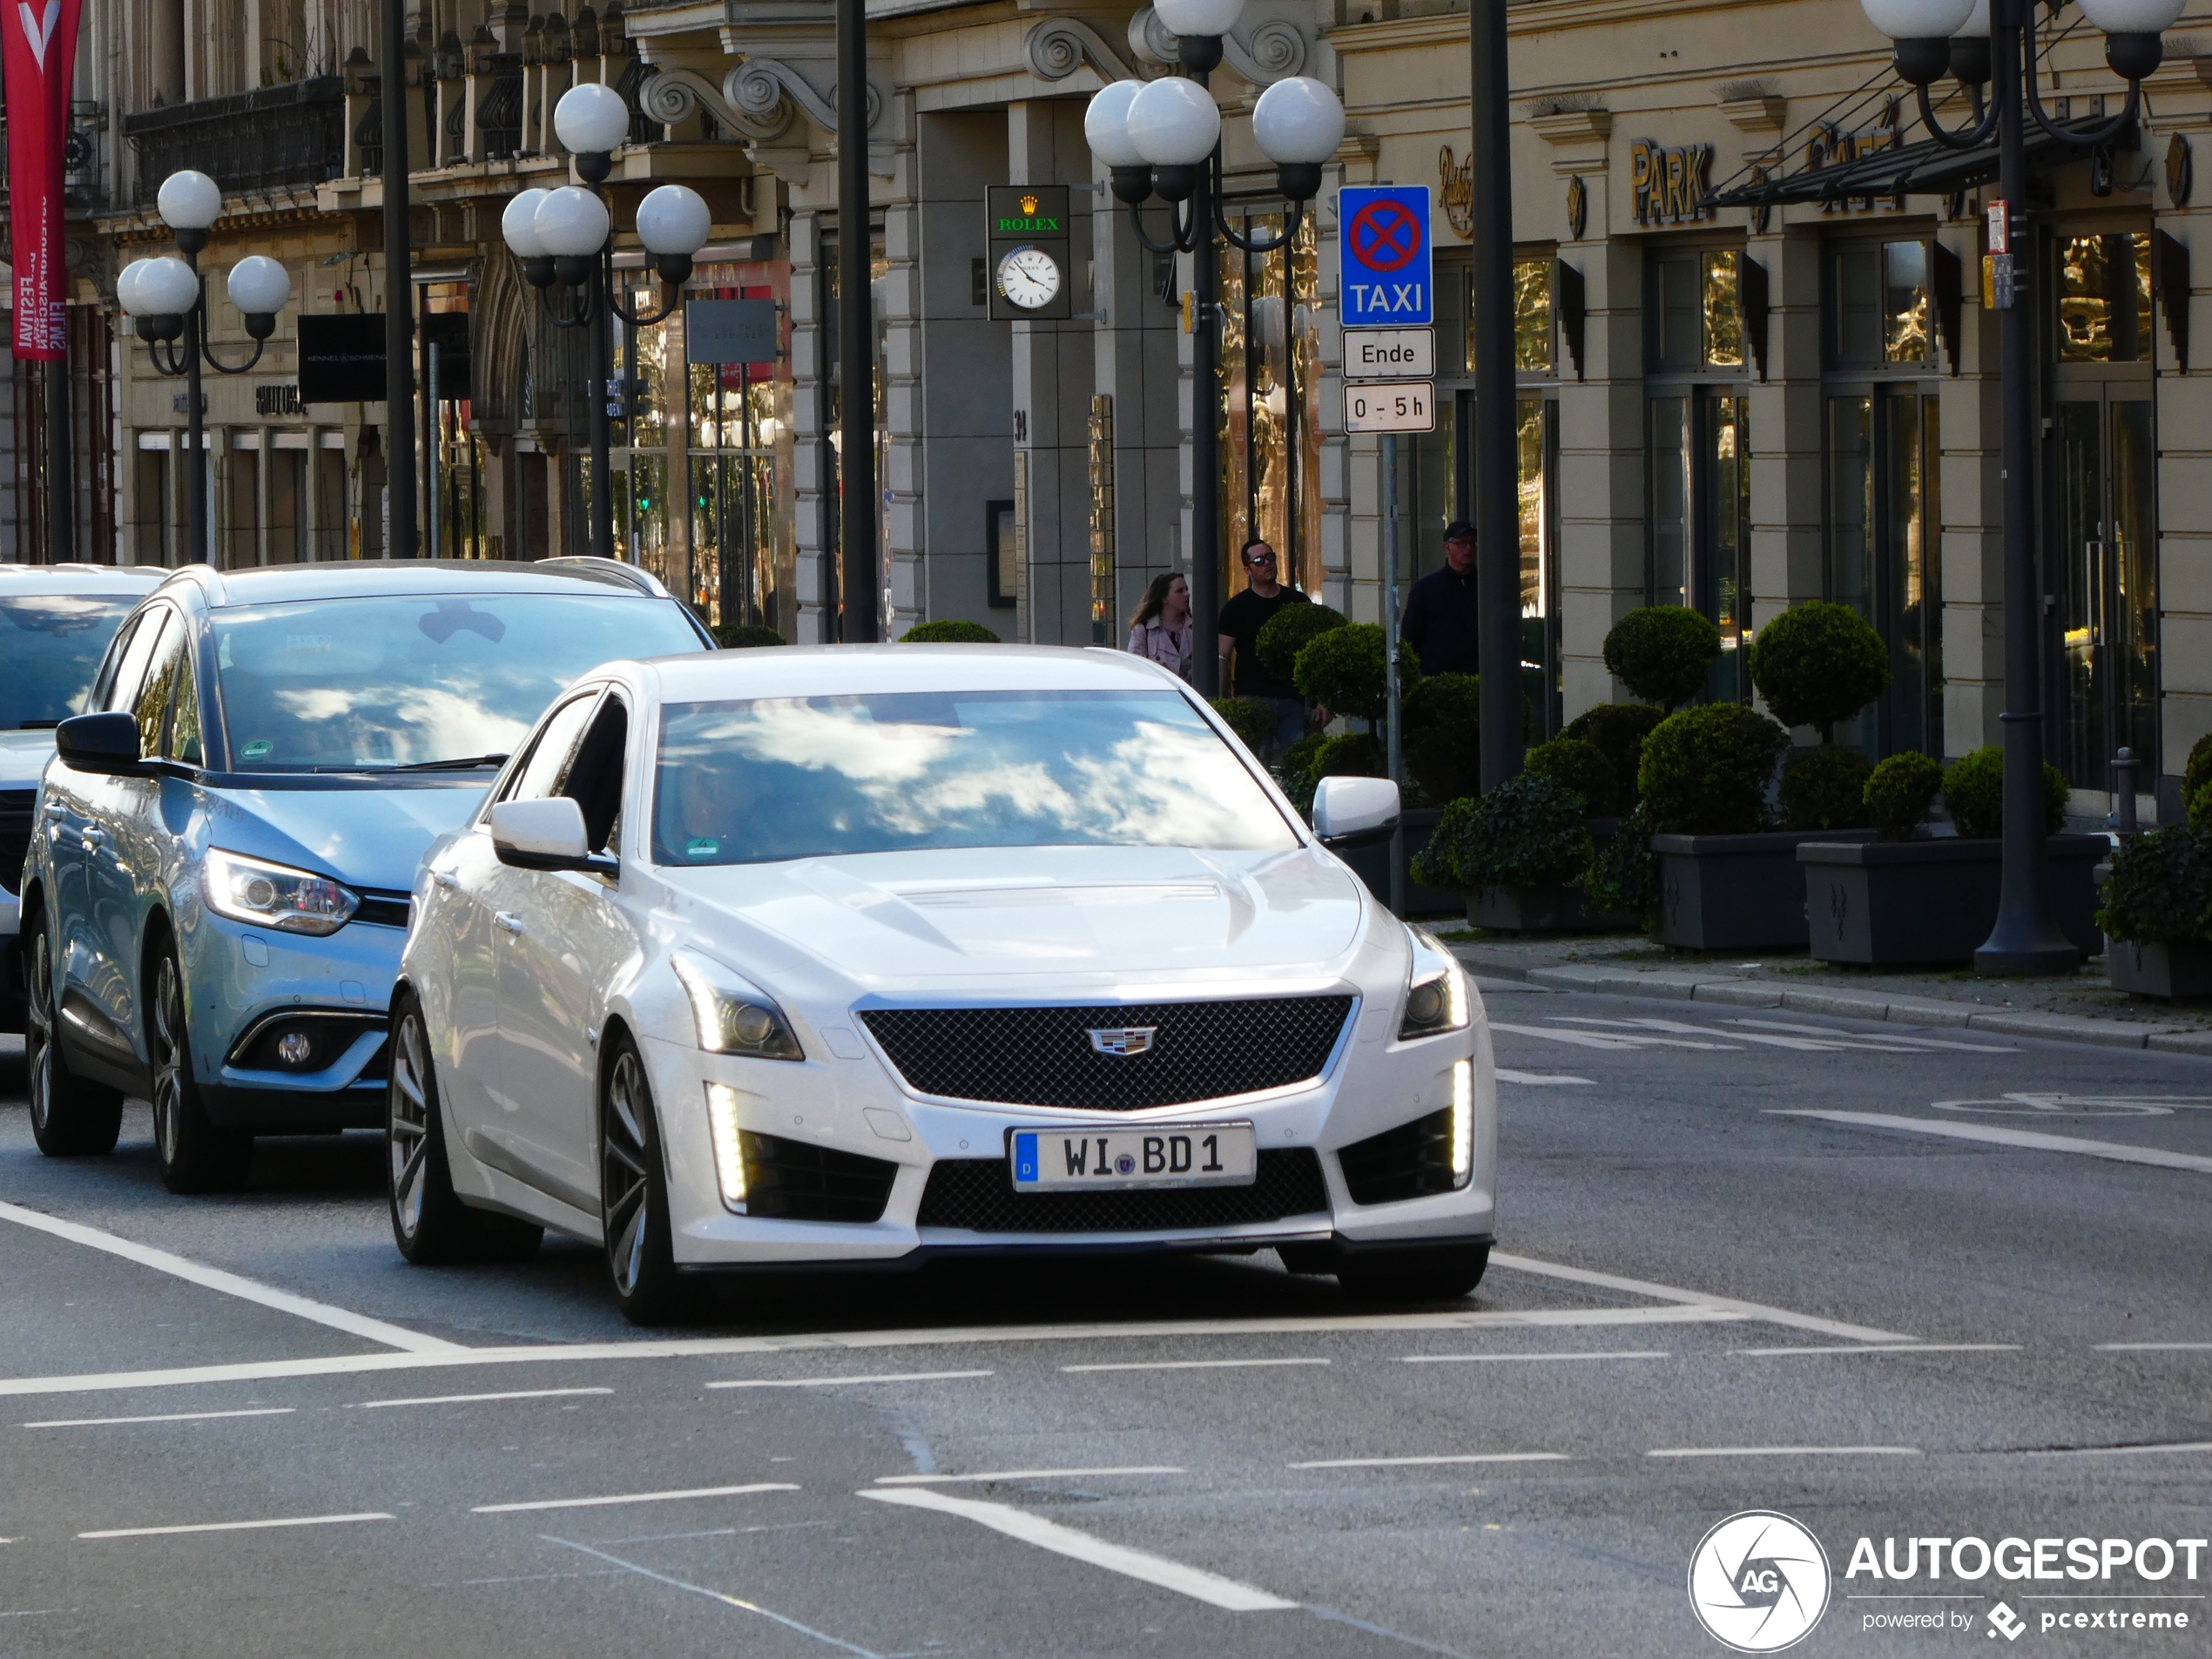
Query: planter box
{"x": 1371, "y": 865}
{"x": 2170, "y": 973}
{"x": 1888, "y": 903}
{"x": 1542, "y": 910}
{"x": 1734, "y": 891}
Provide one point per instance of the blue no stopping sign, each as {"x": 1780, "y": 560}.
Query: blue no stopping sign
{"x": 1387, "y": 260}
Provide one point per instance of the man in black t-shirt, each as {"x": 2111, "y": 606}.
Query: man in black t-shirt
{"x": 1438, "y": 621}
{"x": 1241, "y": 620}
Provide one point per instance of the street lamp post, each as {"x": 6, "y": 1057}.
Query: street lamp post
{"x": 168, "y": 303}
{"x": 564, "y": 238}
{"x": 1162, "y": 138}
{"x": 1992, "y": 45}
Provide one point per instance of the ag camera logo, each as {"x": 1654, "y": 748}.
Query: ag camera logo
{"x": 1758, "y": 1582}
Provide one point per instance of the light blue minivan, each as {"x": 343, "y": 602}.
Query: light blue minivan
{"x": 216, "y": 888}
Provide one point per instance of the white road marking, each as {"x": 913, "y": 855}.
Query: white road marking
{"x": 1884, "y": 1348}
{"x": 1884, "y": 1037}
{"x": 737, "y": 1602}
{"x": 1718, "y": 1306}
{"x": 1786, "y": 1451}
{"x": 840, "y": 1382}
{"x": 464, "y": 1400}
{"x": 2030, "y": 1140}
{"x": 1194, "y": 1582}
{"x": 1424, "y": 1462}
{"x": 215, "y": 1278}
{"x": 1193, "y": 1364}
{"x": 1020, "y": 1475}
{"x": 1619, "y": 1044}
{"x": 1540, "y": 1080}
{"x": 2153, "y": 1347}
{"x": 240, "y": 1526}
{"x": 1631, "y": 1026}
{"x": 2125, "y": 1451}
{"x": 165, "y": 1417}
{"x": 1497, "y": 1359}
{"x": 630, "y": 1497}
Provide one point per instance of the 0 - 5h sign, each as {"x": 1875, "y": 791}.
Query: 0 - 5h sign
{"x": 1389, "y": 268}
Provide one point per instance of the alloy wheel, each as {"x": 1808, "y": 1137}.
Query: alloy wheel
{"x": 625, "y": 1187}
{"x": 38, "y": 1031}
{"x": 168, "y": 1061}
{"x": 409, "y": 1142}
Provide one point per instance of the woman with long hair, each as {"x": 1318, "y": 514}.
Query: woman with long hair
{"x": 1161, "y": 629}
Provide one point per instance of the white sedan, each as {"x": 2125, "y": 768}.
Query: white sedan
{"x": 787, "y": 959}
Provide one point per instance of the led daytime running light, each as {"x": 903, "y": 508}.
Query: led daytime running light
{"x": 729, "y": 1150}
{"x": 1462, "y": 1123}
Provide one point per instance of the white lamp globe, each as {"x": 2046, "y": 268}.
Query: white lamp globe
{"x": 674, "y": 220}
{"x": 2133, "y": 17}
{"x": 258, "y": 286}
{"x": 592, "y": 118}
{"x": 190, "y": 201}
{"x": 571, "y": 222}
{"x": 1106, "y": 124}
{"x": 1174, "y": 123}
{"x": 1977, "y": 24}
{"x": 1198, "y": 16}
{"x": 518, "y": 224}
{"x": 165, "y": 287}
{"x": 1296, "y": 119}
{"x": 1917, "y": 19}
{"x": 126, "y": 286}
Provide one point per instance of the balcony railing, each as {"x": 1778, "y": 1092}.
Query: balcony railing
{"x": 265, "y": 139}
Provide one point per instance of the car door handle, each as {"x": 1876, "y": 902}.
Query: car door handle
{"x": 508, "y": 919}
{"x": 443, "y": 878}
{"x": 55, "y": 810}
{"x": 93, "y": 836}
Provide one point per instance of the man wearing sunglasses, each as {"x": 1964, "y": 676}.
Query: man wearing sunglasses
{"x": 1241, "y": 620}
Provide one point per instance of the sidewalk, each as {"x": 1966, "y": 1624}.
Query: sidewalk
{"x": 2077, "y": 1008}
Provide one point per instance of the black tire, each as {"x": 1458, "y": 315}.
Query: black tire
{"x": 1444, "y": 1274}
{"x": 633, "y": 1195}
{"x": 196, "y": 1153}
{"x": 430, "y": 1223}
{"x": 70, "y": 1117}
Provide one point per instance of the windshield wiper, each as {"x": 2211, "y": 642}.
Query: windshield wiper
{"x": 469, "y": 763}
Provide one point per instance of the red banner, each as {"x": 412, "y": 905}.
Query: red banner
{"x": 38, "y": 51}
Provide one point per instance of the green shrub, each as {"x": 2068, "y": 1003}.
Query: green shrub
{"x": 2197, "y": 770}
{"x": 949, "y": 630}
{"x": 1253, "y": 720}
{"x": 745, "y": 636}
{"x": 1581, "y": 766}
{"x": 1973, "y": 787}
{"x": 1899, "y": 792}
{"x": 2160, "y": 890}
{"x": 1705, "y": 770}
{"x": 1342, "y": 670}
{"x": 2200, "y": 806}
{"x": 1624, "y": 876}
{"x": 1619, "y": 730}
{"x": 1356, "y": 754}
{"x": 1443, "y": 736}
{"x": 1824, "y": 788}
{"x": 1282, "y": 634}
{"x": 1662, "y": 653}
{"x": 1299, "y": 759}
{"x": 1818, "y": 662}
{"x": 1527, "y": 832}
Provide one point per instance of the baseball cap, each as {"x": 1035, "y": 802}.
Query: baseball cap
{"x": 1459, "y": 529}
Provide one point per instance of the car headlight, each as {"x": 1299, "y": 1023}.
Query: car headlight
{"x": 1436, "y": 991}
{"x": 274, "y": 895}
{"x": 733, "y": 1014}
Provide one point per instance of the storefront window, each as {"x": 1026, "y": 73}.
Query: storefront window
{"x": 1533, "y": 331}
{"x": 1722, "y": 289}
{"x": 2104, "y": 309}
{"x": 1878, "y": 310}
{"x": 1885, "y": 555}
{"x": 740, "y": 454}
{"x": 1697, "y": 310}
{"x": 1270, "y": 428}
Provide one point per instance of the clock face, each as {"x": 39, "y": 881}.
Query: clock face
{"x": 1030, "y": 277}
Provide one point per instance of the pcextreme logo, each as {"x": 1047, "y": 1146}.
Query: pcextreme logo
{"x": 1758, "y": 1582}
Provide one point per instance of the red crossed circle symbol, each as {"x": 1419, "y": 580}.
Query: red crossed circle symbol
{"x": 1386, "y": 236}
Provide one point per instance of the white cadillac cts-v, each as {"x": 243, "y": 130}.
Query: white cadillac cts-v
{"x": 796, "y": 958}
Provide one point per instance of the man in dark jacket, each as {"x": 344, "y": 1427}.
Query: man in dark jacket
{"x": 1439, "y": 618}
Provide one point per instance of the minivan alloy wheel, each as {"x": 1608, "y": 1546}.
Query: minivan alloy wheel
{"x": 196, "y": 1154}
{"x": 70, "y": 1117}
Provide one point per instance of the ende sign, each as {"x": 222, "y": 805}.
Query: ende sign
{"x": 1389, "y": 353}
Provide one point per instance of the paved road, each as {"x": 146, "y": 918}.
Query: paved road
{"x": 1894, "y": 1284}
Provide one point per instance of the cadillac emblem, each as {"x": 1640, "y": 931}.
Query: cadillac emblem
{"x": 1123, "y": 1040}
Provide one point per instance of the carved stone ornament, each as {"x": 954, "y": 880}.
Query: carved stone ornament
{"x": 1058, "y": 47}
{"x": 2181, "y": 171}
{"x": 758, "y": 98}
{"x": 1578, "y": 206}
{"x": 1264, "y": 54}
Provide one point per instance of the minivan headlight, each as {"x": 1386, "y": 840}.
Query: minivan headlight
{"x": 733, "y": 1015}
{"x": 1436, "y": 991}
{"x": 274, "y": 895}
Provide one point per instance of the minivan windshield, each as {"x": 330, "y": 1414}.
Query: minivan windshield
{"x": 51, "y": 645}
{"x": 367, "y": 684}
{"x": 793, "y": 777}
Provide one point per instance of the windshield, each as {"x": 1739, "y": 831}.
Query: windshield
{"x": 364, "y": 684}
{"x": 794, "y": 777}
{"x": 51, "y": 645}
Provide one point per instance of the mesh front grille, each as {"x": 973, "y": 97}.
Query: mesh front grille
{"x": 1044, "y": 1056}
{"x": 795, "y": 1181}
{"x": 1412, "y": 1161}
{"x": 977, "y": 1195}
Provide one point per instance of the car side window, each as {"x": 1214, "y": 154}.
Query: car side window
{"x": 185, "y": 744}
{"x": 593, "y": 781}
{"x": 111, "y": 665}
{"x": 540, "y": 773}
{"x": 155, "y": 692}
{"x": 131, "y": 668}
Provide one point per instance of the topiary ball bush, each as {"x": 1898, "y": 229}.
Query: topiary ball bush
{"x": 1818, "y": 662}
{"x": 1624, "y": 876}
{"x": 1705, "y": 770}
{"x": 1973, "y": 787}
{"x": 1662, "y": 653}
{"x": 1299, "y": 759}
{"x": 1899, "y": 792}
{"x": 1580, "y": 765}
{"x": 1356, "y": 754}
{"x": 1824, "y": 788}
{"x": 1253, "y": 720}
{"x": 1342, "y": 670}
{"x": 2200, "y": 806}
{"x": 2198, "y": 771}
{"x": 1619, "y": 730}
{"x": 2161, "y": 888}
{"x": 1443, "y": 736}
{"x": 949, "y": 630}
{"x": 746, "y": 636}
{"x": 1527, "y": 832}
{"x": 1284, "y": 635}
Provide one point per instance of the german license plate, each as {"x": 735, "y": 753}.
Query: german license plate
{"x": 1189, "y": 1155}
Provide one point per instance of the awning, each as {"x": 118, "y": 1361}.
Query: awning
{"x": 1924, "y": 169}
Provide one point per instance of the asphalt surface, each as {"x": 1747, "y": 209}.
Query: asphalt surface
{"x": 1707, "y": 1303}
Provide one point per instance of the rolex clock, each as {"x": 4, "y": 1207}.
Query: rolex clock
{"x": 1027, "y": 232}
{"x": 1029, "y": 277}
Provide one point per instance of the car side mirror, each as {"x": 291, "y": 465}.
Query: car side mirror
{"x": 544, "y": 835}
{"x": 99, "y": 743}
{"x": 1354, "y": 812}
